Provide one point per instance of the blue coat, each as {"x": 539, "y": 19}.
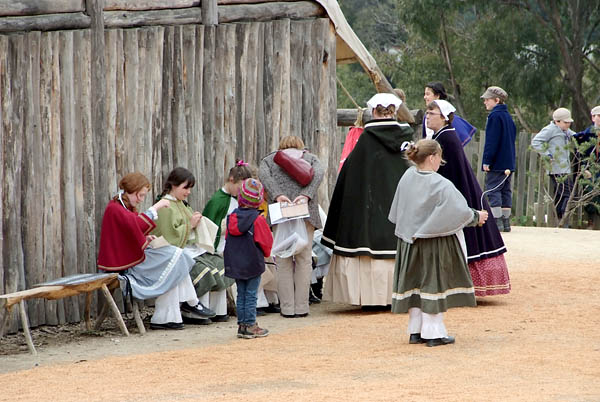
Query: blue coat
{"x": 500, "y": 136}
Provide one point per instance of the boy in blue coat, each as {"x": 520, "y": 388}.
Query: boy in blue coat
{"x": 499, "y": 155}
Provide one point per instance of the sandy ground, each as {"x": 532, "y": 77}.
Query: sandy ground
{"x": 541, "y": 342}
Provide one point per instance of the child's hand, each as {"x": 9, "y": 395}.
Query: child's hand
{"x": 483, "y": 215}
{"x": 161, "y": 204}
{"x": 195, "y": 219}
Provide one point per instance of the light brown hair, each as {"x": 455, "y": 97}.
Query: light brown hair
{"x": 422, "y": 149}
{"x": 132, "y": 183}
{"x": 291, "y": 141}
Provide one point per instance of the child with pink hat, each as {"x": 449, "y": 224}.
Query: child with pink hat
{"x": 249, "y": 241}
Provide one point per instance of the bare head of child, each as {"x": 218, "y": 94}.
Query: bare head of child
{"x": 251, "y": 194}
{"x": 237, "y": 174}
{"x": 426, "y": 154}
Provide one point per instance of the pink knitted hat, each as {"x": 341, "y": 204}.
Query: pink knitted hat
{"x": 251, "y": 193}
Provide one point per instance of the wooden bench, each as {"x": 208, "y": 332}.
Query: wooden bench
{"x": 70, "y": 286}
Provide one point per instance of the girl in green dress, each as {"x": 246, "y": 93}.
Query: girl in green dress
{"x": 431, "y": 272}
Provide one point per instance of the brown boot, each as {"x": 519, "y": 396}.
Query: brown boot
{"x": 254, "y": 331}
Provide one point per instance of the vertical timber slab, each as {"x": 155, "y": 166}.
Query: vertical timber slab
{"x": 108, "y": 167}
{"x": 307, "y": 122}
{"x": 157, "y": 35}
{"x": 297, "y": 35}
{"x": 226, "y": 35}
{"x": 12, "y": 110}
{"x": 250, "y": 93}
{"x": 146, "y": 89}
{"x": 87, "y": 215}
{"x": 67, "y": 130}
{"x": 521, "y": 173}
{"x": 140, "y": 154}
{"x": 131, "y": 103}
{"x": 33, "y": 174}
{"x": 3, "y": 120}
{"x": 167, "y": 138}
{"x": 188, "y": 75}
{"x": 261, "y": 135}
{"x": 218, "y": 128}
{"x": 179, "y": 131}
{"x": 281, "y": 87}
{"x": 51, "y": 201}
{"x": 268, "y": 77}
{"x": 531, "y": 184}
{"x": 120, "y": 136}
{"x": 197, "y": 136}
{"x": 208, "y": 105}
{"x": 102, "y": 175}
{"x": 328, "y": 114}
{"x": 79, "y": 61}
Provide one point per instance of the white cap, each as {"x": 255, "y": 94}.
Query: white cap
{"x": 445, "y": 107}
{"x": 384, "y": 99}
{"x": 595, "y": 110}
{"x": 562, "y": 114}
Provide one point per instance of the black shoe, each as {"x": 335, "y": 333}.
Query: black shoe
{"x": 196, "y": 321}
{"x": 500, "y": 224}
{"x": 416, "y": 338}
{"x": 506, "y": 222}
{"x": 376, "y": 308}
{"x": 197, "y": 311}
{"x": 272, "y": 309}
{"x": 288, "y": 315}
{"x": 301, "y": 315}
{"x": 440, "y": 341}
{"x": 220, "y": 318}
{"x": 312, "y": 299}
{"x": 167, "y": 325}
{"x": 260, "y": 311}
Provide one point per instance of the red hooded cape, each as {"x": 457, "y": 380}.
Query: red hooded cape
{"x": 122, "y": 238}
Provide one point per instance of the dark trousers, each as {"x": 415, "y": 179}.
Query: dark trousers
{"x": 501, "y": 196}
{"x": 560, "y": 188}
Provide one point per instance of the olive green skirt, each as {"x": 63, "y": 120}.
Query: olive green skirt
{"x": 431, "y": 274}
{"x": 208, "y": 274}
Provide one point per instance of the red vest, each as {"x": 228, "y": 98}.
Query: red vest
{"x": 122, "y": 238}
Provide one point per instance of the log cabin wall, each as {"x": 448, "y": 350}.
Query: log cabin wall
{"x": 74, "y": 120}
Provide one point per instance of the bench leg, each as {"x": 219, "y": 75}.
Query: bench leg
{"x": 138, "y": 318}
{"x": 88, "y": 302}
{"x": 115, "y": 310}
{"x": 101, "y": 316}
{"x": 25, "y": 323}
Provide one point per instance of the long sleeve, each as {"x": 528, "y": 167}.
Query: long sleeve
{"x": 265, "y": 176}
{"x": 540, "y": 141}
{"x": 319, "y": 172}
{"x": 263, "y": 236}
{"x": 173, "y": 225}
{"x": 493, "y": 133}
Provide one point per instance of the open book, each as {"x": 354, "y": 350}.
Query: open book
{"x": 282, "y": 211}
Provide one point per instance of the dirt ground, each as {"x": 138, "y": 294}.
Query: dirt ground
{"x": 541, "y": 342}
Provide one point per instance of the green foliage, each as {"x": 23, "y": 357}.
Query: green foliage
{"x": 489, "y": 44}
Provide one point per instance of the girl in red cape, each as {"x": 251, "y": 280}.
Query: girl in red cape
{"x": 161, "y": 272}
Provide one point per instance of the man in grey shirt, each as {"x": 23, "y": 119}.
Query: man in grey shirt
{"x": 554, "y": 141}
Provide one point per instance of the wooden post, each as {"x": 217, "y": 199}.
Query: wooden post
{"x": 26, "y": 331}
{"x": 94, "y": 8}
{"x": 115, "y": 310}
{"x": 210, "y": 14}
